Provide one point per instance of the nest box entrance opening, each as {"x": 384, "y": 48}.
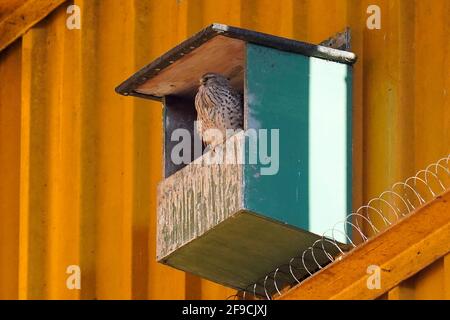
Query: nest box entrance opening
{"x": 177, "y": 85}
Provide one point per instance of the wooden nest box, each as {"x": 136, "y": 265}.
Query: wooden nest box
{"x": 233, "y": 223}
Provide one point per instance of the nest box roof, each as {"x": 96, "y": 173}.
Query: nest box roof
{"x": 217, "y": 48}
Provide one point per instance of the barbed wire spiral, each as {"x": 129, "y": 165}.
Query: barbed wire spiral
{"x": 370, "y": 219}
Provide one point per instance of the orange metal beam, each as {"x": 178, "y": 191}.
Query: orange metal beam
{"x": 24, "y": 17}
{"x": 401, "y": 251}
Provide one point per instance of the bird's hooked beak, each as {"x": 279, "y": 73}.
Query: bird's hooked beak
{"x": 202, "y": 81}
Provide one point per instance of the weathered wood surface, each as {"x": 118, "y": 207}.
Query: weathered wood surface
{"x": 194, "y": 200}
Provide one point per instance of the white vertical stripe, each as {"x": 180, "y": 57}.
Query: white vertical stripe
{"x": 327, "y": 146}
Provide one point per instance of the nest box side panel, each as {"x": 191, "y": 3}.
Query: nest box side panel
{"x": 277, "y": 99}
{"x": 309, "y": 101}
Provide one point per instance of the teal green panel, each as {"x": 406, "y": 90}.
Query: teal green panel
{"x": 277, "y": 98}
{"x": 309, "y": 101}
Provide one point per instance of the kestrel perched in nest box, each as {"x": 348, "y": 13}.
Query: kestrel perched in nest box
{"x": 219, "y": 106}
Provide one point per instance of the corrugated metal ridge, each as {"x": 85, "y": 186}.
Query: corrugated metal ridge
{"x": 128, "y": 86}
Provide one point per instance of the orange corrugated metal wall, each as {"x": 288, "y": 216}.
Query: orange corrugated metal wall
{"x": 79, "y": 164}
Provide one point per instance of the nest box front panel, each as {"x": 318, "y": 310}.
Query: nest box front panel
{"x": 309, "y": 101}
{"x": 192, "y": 202}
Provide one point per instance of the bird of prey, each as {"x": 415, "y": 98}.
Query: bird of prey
{"x": 219, "y": 106}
